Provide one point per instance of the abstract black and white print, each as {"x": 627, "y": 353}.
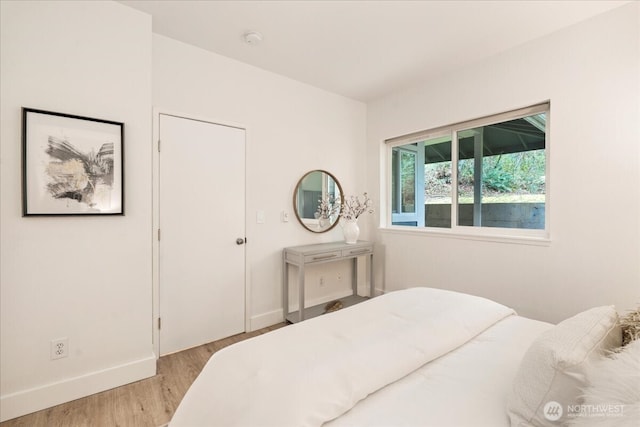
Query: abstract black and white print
{"x": 84, "y": 177}
{"x": 72, "y": 165}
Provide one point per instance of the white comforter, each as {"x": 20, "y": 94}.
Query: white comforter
{"x": 314, "y": 371}
{"x": 467, "y": 387}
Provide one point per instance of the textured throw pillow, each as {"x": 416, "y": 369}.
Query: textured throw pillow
{"x": 612, "y": 397}
{"x": 552, "y": 371}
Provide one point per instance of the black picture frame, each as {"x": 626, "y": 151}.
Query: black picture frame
{"x": 71, "y": 165}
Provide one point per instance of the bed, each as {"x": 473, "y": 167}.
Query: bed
{"x": 416, "y": 357}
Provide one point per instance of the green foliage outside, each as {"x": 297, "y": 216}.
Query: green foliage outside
{"x": 408, "y": 179}
{"x": 515, "y": 177}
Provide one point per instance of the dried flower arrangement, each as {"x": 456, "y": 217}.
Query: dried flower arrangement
{"x": 353, "y": 207}
{"x": 630, "y": 325}
{"x": 328, "y": 207}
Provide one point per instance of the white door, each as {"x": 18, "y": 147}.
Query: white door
{"x": 201, "y": 217}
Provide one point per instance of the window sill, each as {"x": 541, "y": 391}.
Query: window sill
{"x": 483, "y": 236}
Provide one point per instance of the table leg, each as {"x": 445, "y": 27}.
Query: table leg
{"x": 354, "y": 276}
{"x": 301, "y": 292}
{"x": 371, "y": 282}
{"x": 285, "y": 288}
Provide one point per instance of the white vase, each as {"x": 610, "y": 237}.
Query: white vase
{"x": 351, "y": 231}
{"x": 323, "y": 222}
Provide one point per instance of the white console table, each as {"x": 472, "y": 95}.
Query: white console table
{"x": 301, "y": 256}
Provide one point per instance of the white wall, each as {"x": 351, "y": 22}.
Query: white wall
{"x": 291, "y": 128}
{"x": 591, "y": 74}
{"x": 85, "y": 278}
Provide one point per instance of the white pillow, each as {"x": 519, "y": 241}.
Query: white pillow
{"x": 612, "y": 397}
{"x": 552, "y": 371}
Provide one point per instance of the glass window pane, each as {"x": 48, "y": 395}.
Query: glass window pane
{"x": 501, "y": 174}
{"x": 407, "y": 181}
{"x": 437, "y": 182}
{"x": 466, "y": 176}
{"x": 394, "y": 181}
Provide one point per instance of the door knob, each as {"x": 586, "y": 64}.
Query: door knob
{"x": 239, "y": 241}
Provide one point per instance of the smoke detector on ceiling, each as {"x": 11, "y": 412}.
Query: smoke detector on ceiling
{"x": 252, "y": 38}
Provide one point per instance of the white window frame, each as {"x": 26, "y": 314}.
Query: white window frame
{"x": 508, "y": 235}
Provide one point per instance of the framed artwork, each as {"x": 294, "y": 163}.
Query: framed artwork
{"x": 71, "y": 165}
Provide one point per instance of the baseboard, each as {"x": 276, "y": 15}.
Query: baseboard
{"x": 326, "y": 298}
{"x": 35, "y": 399}
{"x": 378, "y": 291}
{"x": 265, "y": 319}
{"x": 272, "y": 317}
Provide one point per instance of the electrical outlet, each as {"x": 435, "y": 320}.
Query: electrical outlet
{"x": 339, "y": 277}
{"x": 321, "y": 280}
{"x": 59, "y": 348}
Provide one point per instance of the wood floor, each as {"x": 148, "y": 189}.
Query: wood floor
{"x": 149, "y": 402}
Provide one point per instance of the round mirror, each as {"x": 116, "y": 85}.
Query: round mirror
{"x": 317, "y": 200}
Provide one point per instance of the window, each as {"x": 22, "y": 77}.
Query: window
{"x": 405, "y": 167}
{"x": 498, "y": 182}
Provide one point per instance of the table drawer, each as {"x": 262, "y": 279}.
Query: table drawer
{"x": 325, "y": 256}
{"x": 356, "y": 251}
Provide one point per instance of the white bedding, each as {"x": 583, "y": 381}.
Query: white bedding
{"x": 466, "y": 388}
{"x": 312, "y": 372}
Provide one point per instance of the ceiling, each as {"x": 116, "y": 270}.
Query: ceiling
{"x": 364, "y": 49}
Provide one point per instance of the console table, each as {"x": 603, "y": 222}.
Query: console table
{"x": 301, "y": 256}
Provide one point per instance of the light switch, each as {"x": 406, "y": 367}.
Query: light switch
{"x": 285, "y": 216}
{"x": 260, "y": 217}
